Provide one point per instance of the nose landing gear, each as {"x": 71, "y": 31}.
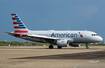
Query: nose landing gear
{"x": 87, "y": 46}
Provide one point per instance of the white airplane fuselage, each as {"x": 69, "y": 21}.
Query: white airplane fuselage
{"x": 83, "y": 37}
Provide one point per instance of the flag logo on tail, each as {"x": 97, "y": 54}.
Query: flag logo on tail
{"x": 18, "y": 24}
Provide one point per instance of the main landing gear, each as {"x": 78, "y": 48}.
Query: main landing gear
{"x": 87, "y": 46}
{"x": 51, "y": 46}
{"x": 59, "y": 47}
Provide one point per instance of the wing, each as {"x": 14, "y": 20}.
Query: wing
{"x": 35, "y": 38}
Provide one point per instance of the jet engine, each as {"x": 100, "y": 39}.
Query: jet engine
{"x": 75, "y": 44}
{"x": 63, "y": 43}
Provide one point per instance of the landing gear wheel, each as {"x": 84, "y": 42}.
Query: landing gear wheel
{"x": 87, "y": 46}
{"x": 51, "y": 47}
{"x": 59, "y": 47}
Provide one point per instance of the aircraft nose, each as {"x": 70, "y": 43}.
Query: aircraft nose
{"x": 100, "y": 39}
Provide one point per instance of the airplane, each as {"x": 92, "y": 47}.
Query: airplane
{"x": 59, "y": 38}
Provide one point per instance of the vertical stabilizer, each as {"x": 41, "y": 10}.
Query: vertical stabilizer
{"x": 19, "y": 26}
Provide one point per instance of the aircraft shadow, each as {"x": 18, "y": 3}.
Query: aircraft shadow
{"x": 82, "y": 56}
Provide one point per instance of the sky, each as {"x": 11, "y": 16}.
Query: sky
{"x": 53, "y": 15}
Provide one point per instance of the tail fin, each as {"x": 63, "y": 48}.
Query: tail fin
{"x": 19, "y": 26}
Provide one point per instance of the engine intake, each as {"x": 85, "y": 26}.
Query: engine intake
{"x": 63, "y": 43}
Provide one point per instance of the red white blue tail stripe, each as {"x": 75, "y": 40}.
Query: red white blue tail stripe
{"x": 18, "y": 24}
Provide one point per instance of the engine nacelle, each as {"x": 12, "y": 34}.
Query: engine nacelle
{"x": 63, "y": 43}
{"x": 75, "y": 44}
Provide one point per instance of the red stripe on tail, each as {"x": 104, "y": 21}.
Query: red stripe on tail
{"x": 16, "y": 27}
{"x": 12, "y": 14}
{"x": 13, "y": 18}
{"x": 21, "y": 32}
{"x": 15, "y": 23}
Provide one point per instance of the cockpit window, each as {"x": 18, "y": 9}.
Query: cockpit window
{"x": 94, "y": 35}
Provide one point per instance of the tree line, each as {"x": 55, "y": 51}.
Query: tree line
{"x": 14, "y": 43}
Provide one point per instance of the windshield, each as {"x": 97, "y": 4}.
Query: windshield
{"x": 94, "y": 35}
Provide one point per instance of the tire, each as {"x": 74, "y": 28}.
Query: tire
{"x": 51, "y": 47}
{"x": 59, "y": 47}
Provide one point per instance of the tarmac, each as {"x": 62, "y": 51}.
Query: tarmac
{"x": 43, "y": 57}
